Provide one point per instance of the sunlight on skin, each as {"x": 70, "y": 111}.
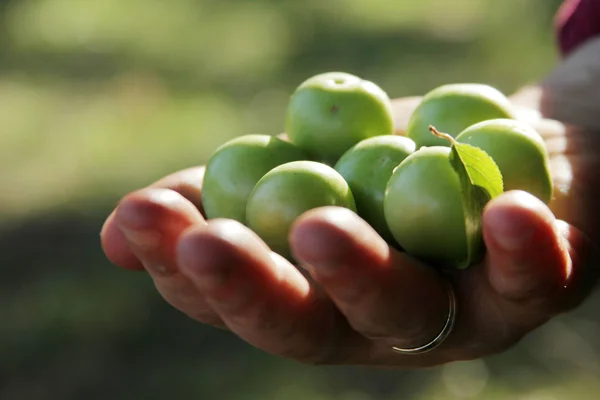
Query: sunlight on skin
{"x": 490, "y": 322}
{"x": 500, "y": 302}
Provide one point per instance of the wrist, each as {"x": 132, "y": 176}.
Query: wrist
{"x": 571, "y": 92}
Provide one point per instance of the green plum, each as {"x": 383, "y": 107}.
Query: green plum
{"x": 289, "y": 190}
{"x": 452, "y": 108}
{"x": 423, "y": 207}
{"x": 367, "y": 167}
{"x": 518, "y": 150}
{"x": 331, "y": 112}
{"x": 234, "y": 169}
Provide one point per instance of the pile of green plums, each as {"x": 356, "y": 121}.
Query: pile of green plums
{"x": 341, "y": 150}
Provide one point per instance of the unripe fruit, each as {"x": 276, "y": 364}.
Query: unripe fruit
{"x": 518, "y": 150}
{"x": 329, "y": 113}
{"x": 234, "y": 169}
{"x": 423, "y": 207}
{"x": 367, "y": 167}
{"x": 289, "y": 190}
{"x": 454, "y": 107}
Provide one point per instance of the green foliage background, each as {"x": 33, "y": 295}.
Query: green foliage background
{"x": 98, "y": 98}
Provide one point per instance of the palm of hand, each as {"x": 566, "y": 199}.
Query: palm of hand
{"x": 355, "y": 297}
{"x": 575, "y": 161}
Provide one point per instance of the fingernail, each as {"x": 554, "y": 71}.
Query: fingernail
{"x": 144, "y": 240}
{"x": 512, "y": 234}
{"x": 307, "y": 267}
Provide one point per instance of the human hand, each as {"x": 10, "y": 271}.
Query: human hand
{"x": 353, "y": 298}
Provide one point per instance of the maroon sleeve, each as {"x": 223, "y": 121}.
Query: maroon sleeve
{"x": 576, "y": 22}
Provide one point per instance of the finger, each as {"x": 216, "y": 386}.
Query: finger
{"x": 187, "y": 182}
{"x": 584, "y": 272}
{"x": 527, "y": 260}
{"x": 535, "y": 268}
{"x": 115, "y": 246}
{"x": 382, "y": 293}
{"x": 152, "y": 221}
{"x": 526, "y": 104}
{"x": 260, "y": 296}
{"x": 402, "y": 109}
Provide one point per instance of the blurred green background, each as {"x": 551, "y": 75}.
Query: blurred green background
{"x": 101, "y": 97}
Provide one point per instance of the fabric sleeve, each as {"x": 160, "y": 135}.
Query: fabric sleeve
{"x": 576, "y": 22}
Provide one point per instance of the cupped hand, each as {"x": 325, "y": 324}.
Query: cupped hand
{"x": 351, "y": 298}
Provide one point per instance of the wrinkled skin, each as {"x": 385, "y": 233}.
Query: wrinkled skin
{"x": 352, "y": 297}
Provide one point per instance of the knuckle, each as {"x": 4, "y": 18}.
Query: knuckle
{"x": 188, "y": 183}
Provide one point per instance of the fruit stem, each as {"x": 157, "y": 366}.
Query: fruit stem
{"x": 442, "y": 135}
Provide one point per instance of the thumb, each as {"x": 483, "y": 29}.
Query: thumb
{"x": 527, "y": 258}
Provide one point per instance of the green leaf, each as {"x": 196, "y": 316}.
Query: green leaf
{"x": 481, "y": 181}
